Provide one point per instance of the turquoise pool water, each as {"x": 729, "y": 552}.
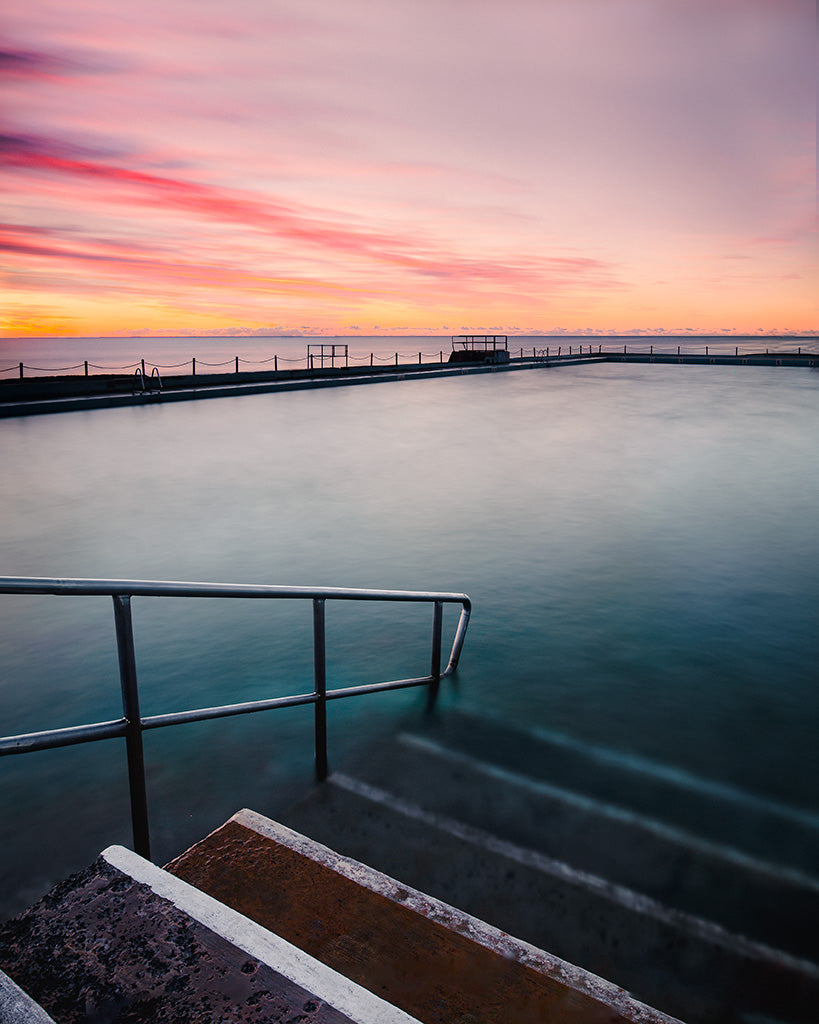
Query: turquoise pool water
{"x": 640, "y": 544}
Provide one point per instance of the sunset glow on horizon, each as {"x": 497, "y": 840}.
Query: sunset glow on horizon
{"x": 411, "y": 166}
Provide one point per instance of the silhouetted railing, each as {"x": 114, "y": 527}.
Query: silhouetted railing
{"x": 332, "y": 356}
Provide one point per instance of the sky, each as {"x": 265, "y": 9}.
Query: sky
{"x": 408, "y": 166}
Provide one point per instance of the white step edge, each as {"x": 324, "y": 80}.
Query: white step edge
{"x": 619, "y": 895}
{"x": 478, "y": 931}
{"x": 741, "y": 859}
{"x": 17, "y": 1007}
{"x": 344, "y": 995}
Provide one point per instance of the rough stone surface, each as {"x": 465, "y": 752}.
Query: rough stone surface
{"x": 103, "y": 949}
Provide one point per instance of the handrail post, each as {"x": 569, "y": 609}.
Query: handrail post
{"x": 435, "y": 666}
{"x": 133, "y": 734}
{"x": 132, "y": 725}
{"x": 320, "y": 677}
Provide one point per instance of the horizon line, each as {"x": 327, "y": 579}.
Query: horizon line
{"x": 477, "y": 333}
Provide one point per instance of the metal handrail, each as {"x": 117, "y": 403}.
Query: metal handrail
{"x": 132, "y": 724}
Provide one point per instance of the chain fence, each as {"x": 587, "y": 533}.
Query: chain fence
{"x": 397, "y": 358}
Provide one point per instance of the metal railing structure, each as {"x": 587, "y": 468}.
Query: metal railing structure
{"x": 146, "y": 383}
{"x": 481, "y": 342}
{"x": 323, "y": 352}
{"x": 131, "y": 726}
{"x": 334, "y": 355}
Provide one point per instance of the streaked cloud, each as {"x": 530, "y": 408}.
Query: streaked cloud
{"x": 413, "y": 253}
{"x": 572, "y": 163}
{"x": 24, "y": 63}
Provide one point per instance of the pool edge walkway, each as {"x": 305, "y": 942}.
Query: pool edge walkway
{"x": 283, "y": 381}
{"x": 189, "y": 388}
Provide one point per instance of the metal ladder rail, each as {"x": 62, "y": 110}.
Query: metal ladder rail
{"x": 132, "y": 724}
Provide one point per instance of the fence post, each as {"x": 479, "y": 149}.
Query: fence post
{"x": 21, "y": 371}
{"x": 435, "y": 665}
{"x": 276, "y": 363}
{"x": 396, "y": 359}
{"x": 193, "y": 366}
{"x": 143, "y": 367}
{"x": 320, "y": 680}
{"x": 86, "y": 367}
{"x": 133, "y": 725}
{"x": 237, "y": 364}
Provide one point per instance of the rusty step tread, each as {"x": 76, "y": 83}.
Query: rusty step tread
{"x": 435, "y": 961}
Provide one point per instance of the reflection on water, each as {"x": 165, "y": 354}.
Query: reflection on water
{"x": 639, "y": 543}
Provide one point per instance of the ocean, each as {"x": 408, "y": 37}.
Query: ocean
{"x": 640, "y": 544}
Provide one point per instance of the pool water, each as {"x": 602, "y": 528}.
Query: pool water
{"x": 639, "y": 541}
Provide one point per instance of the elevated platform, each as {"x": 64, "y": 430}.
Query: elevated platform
{"x": 480, "y": 348}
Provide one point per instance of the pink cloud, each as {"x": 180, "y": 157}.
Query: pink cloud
{"x": 33, "y": 155}
{"x": 121, "y": 265}
{"x": 582, "y": 149}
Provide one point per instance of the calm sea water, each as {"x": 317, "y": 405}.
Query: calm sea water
{"x": 640, "y": 544}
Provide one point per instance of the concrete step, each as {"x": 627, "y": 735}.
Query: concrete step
{"x": 126, "y": 941}
{"x": 435, "y": 961}
{"x": 679, "y": 963}
{"x": 718, "y": 812}
{"x": 16, "y": 1007}
{"x": 770, "y": 903}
